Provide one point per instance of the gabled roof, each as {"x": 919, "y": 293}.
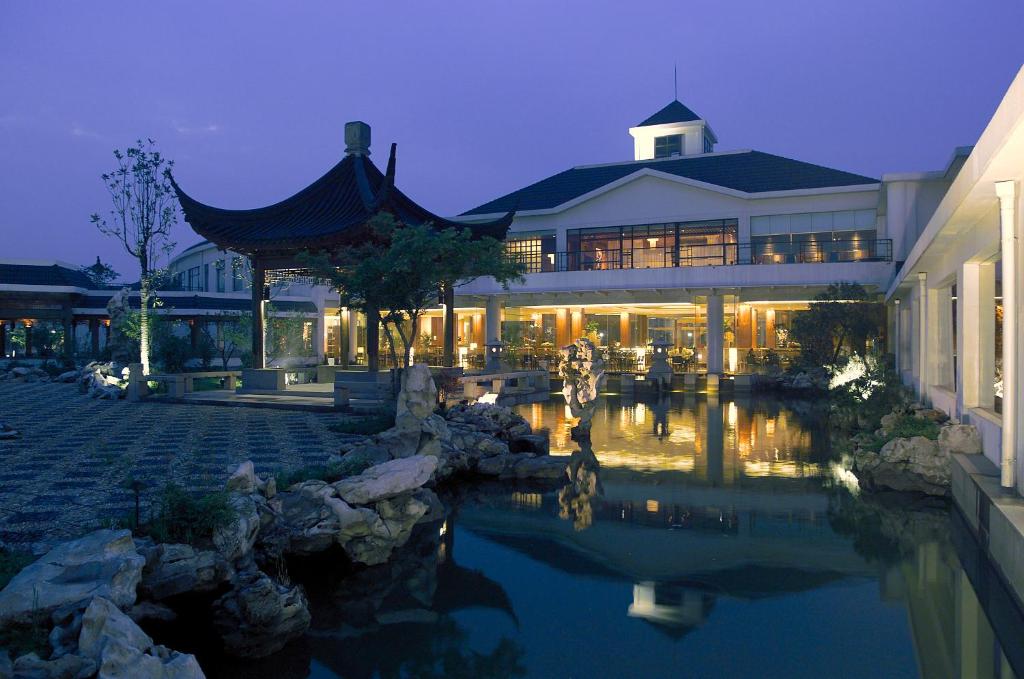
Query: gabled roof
{"x": 675, "y": 112}
{"x": 325, "y": 214}
{"x": 39, "y": 274}
{"x": 746, "y": 171}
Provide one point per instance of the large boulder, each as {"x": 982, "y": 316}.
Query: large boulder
{"x": 103, "y": 563}
{"x": 313, "y": 518}
{"x": 417, "y": 397}
{"x": 960, "y": 438}
{"x": 175, "y": 569}
{"x": 387, "y": 480}
{"x": 123, "y": 651}
{"x": 259, "y": 616}
{"x": 915, "y": 464}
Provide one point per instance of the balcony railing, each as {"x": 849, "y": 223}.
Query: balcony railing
{"x": 725, "y": 254}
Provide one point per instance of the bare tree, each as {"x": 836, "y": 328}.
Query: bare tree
{"x": 142, "y": 214}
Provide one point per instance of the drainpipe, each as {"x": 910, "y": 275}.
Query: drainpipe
{"x": 1008, "y": 229}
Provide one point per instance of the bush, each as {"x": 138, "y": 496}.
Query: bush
{"x": 908, "y": 426}
{"x": 350, "y": 465}
{"x": 171, "y": 353}
{"x": 177, "y": 516}
{"x": 367, "y": 425}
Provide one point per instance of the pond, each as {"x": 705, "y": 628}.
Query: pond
{"x": 714, "y": 539}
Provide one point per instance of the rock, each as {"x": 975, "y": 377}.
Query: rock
{"x": 545, "y": 467}
{"x": 65, "y": 667}
{"x": 104, "y": 622}
{"x": 259, "y": 616}
{"x": 889, "y": 421}
{"x": 243, "y": 480}
{"x": 235, "y": 540}
{"x": 392, "y": 527}
{"x": 175, "y": 569}
{"x": 7, "y": 432}
{"x": 538, "y": 444}
{"x": 103, "y": 563}
{"x": 916, "y": 464}
{"x": 69, "y": 376}
{"x": 931, "y": 414}
{"x": 67, "y": 626}
{"x": 21, "y": 372}
{"x": 148, "y": 610}
{"x": 6, "y": 666}
{"x": 123, "y": 651}
{"x": 960, "y": 438}
{"x": 387, "y": 480}
{"x": 417, "y": 397}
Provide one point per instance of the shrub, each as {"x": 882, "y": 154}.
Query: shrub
{"x": 350, "y": 465}
{"x": 908, "y": 426}
{"x": 367, "y": 425}
{"x": 179, "y": 517}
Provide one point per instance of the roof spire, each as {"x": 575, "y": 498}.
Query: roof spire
{"x": 675, "y": 81}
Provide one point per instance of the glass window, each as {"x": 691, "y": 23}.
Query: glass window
{"x": 535, "y": 250}
{"x": 219, "y": 270}
{"x": 668, "y": 146}
{"x": 193, "y": 278}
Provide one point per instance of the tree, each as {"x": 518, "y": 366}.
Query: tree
{"x": 400, "y": 270}
{"x": 142, "y": 214}
{"x": 232, "y": 338}
{"x": 841, "y": 317}
{"x": 102, "y": 275}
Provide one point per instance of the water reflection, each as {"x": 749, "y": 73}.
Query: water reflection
{"x": 695, "y": 538}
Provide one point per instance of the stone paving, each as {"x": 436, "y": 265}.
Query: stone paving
{"x": 65, "y": 475}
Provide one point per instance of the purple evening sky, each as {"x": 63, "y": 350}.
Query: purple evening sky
{"x": 250, "y": 98}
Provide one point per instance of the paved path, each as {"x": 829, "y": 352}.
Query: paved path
{"x": 65, "y": 475}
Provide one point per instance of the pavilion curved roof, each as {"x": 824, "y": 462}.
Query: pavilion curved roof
{"x": 328, "y": 213}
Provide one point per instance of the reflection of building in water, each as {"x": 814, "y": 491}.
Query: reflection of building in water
{"x": 675, "y": 607}
{"x": 720, "y": 442}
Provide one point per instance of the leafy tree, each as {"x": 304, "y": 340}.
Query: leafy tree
{"x": 142, "y": 214}
{"x": 102, "y": 275}
{"x": 400, "y": 270}
{"x": 842, "y": 317}
{"x": 233, "y": 338}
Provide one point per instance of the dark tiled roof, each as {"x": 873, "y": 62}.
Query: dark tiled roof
{"x": 36, "y": 274}
{"x": 749, "y": 171}
{"x": 198, "y": 301}
{"x": 673, "y": 113}
{"x": 326, "y": 213}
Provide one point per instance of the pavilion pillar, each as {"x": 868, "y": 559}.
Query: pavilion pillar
{"x": 716, "y": 334}
{"x": 193, "y": 332}
{"x": 69, "y": 337}
{"x": 625, "y": 338}
{"x": 770, "y": 338}
{"x": 353, "y": 335}
{"x": 259, "y": 280}
{"x": 372, "y": 340}
{"x": 449, "y": 327}
{"x": 28, "y": 338}
{"x": 563, "y": 331}
{"x": 3, "y": 339}
{"x": 94, "y": 336}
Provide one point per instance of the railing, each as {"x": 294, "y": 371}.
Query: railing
{"x": 723, "y": 254}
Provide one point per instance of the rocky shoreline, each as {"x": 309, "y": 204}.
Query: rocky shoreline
{"x": 91, "y": 595}
{"x": 920, "y": 462}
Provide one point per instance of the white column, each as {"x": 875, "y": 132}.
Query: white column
{"x": 975, "y": 335}
{"x": 716, "y": 339}
{"x": 1010, "y": 229}
{"x": 939, "y": 349}
{"x": 492, "y": 321}
{"x": 897, "y": 347}
{"x": 353, "y": 334}
{"x": 921, "y": 337}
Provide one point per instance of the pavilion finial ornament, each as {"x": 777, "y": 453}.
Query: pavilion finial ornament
{"x": 357, "y": 138}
